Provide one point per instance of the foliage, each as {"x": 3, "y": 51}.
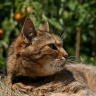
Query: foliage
{"x": 64, "y": 17}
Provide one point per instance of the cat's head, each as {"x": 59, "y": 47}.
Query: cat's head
{"x": 40, "y": 49}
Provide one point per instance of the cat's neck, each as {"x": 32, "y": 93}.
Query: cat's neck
{"x": 33, "y": 80}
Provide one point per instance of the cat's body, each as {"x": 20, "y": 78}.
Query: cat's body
{"x": 36, "y": 63}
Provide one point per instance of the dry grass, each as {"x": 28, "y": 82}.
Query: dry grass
{"x": 4, "y": 91}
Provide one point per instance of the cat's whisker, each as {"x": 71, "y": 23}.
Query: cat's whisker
{"x": 71, "y": 57}
{"x": 53, "y": 67}
{"x": 64, "y": 35}
{"x": 62, "y": 32}
{"x": 71, "y": 61}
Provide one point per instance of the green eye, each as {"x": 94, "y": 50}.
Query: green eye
{"x": 52, "y": 46}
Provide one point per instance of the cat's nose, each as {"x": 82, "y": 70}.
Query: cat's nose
{"x": 63, "y": 53}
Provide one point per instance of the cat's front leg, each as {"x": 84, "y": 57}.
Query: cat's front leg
{"x": 9, "y": 81}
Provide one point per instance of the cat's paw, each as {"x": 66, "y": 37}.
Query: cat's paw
{"x": 73, "y": 87}
{"x": 21, "y": 87}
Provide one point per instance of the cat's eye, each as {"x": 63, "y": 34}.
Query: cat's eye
{"x": 52, "y": 46}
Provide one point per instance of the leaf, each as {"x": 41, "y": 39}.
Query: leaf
{"x": 55, "y": 24}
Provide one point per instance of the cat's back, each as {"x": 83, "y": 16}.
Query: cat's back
{"x": 79, "y": 79}
{"x": 84, "y": 73}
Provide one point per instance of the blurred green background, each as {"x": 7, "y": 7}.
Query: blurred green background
{"x": 73, "y": 20}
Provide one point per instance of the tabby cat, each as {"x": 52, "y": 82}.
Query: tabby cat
{"x": 37, "y": 63}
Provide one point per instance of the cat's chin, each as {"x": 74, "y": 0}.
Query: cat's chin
{"x": 54, "y": 67}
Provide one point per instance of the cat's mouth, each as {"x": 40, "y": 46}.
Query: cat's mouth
{"x": 59, "y": 64}
{"x": 54, "y": 66}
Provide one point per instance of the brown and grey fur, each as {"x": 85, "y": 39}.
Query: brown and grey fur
{"x": 36, "y": 63}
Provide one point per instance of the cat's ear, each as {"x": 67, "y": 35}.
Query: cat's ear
{"x": 45, "y": 27}
{"x": 28, "y": 31}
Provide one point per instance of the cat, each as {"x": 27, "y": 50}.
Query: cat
{"x": 36, "y": 64}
